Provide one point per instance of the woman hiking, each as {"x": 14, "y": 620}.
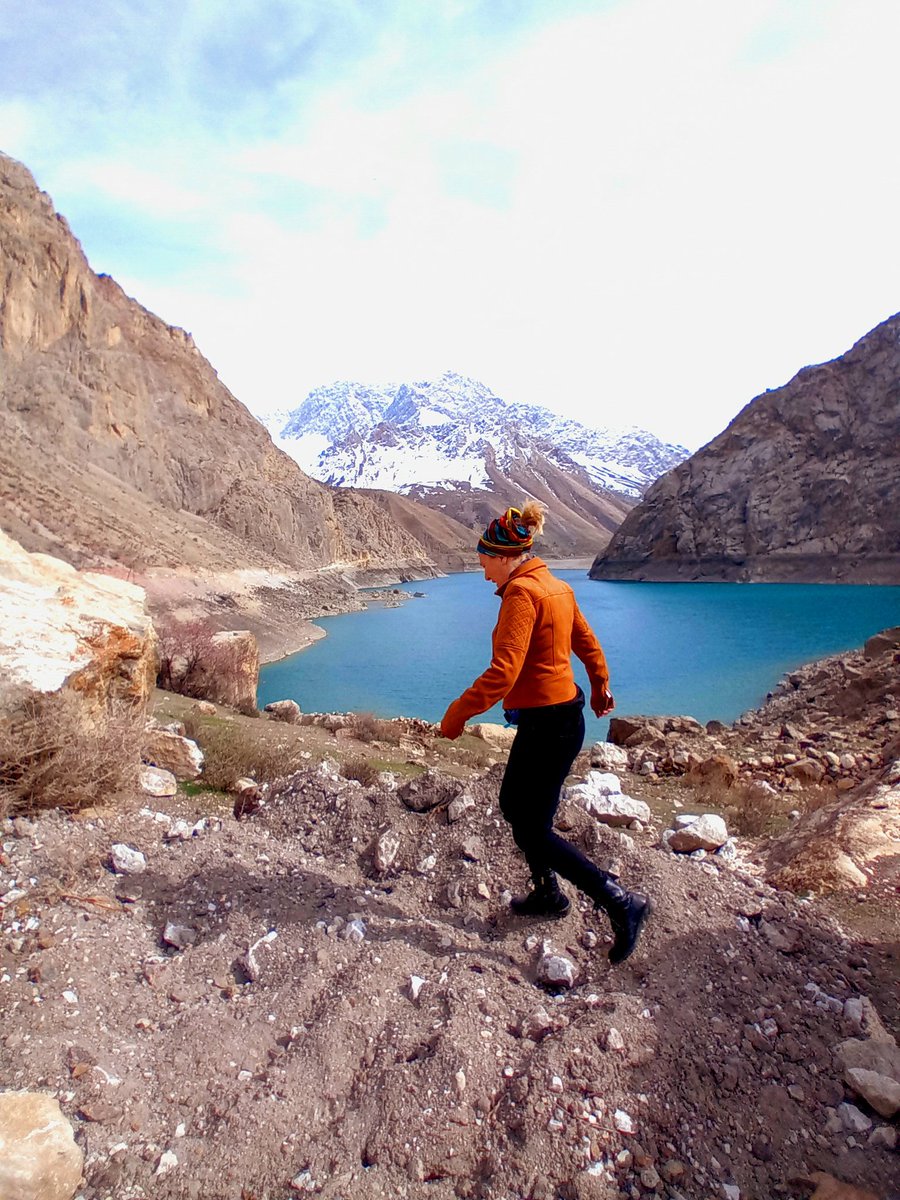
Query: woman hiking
{"x": 539, "y": 627}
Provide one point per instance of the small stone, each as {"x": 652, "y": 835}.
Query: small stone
{"x": 852, "y": 1120}
{"x": 167, "y": 1162}
{"x": 557, "y": 971}
{"x": 556, "y": 1083}
{"x": 622, "y": 1121}
{"x": 460, "y": 1080}
{"x": 614, "y": 1040}
{"x": 157, "y": 782}
{"x": 459, "y": 806}
{"x": 304, "y": 1182}
{"x": 879, "y": 1091}
{"x": 127, "y": 861}
{"x": 650, "y": 1178}
{"x": 884, "y": 1137}
{"x": 354, "y": 931}
{"x": 387, "y": 847}
{"x": 707, "y": 832}
{"x": 416, "y": 983}
{"x": 179, "y": 936}
{"x": 589, "y": 939}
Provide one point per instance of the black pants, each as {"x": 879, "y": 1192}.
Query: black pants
{"x": 546, "y": 744}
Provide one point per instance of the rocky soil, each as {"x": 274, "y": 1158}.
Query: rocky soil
{"x": 329, "y": 996}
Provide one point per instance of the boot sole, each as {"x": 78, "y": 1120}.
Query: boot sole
{"x": 642, "y": 920}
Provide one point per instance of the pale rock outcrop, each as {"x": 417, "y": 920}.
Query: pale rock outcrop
{"x": 39, "y": 1158}
{"x": 287, "y": 711}
{"x": 497, "y": 736}
{"x": 157, "y": 782}
{"x": 61, "y": 628}
{"x": 796, "y": 488}
{"x": 607, "y": 757}
{"x": 833, "y": 847}
{"x": 600, "y": 795}
{"x": 172, "y": 752}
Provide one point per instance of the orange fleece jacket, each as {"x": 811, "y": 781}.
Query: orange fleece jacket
{"x": 539, "y": 627}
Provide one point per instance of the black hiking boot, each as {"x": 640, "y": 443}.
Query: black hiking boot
{"x": 544, "y": 900}
{"x": 627, "y": 912}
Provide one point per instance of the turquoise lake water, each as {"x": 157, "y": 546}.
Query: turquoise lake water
{"x": 708, "y": 650}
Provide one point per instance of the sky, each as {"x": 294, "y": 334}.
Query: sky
{"x": 628, "y": 211}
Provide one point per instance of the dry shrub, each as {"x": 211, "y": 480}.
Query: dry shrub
{"x": 369, "y": 728}
{"x": 360, "y": 769}
{"x": 753, "y": 814}
{"x": 189, "y": 657}
{"x": 815, "y": 796}
{"x": 232, "y": 751}
{"x": 55, "y": 755}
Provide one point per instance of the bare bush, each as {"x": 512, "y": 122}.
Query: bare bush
{"x": 360, "y": 769}
{"x": 232, "y": 752}
{"x": 189, "y": 657}
{"x": 54, "y": 755}
{"x": 369, "y": 728}
{"x": 752, "y": 813}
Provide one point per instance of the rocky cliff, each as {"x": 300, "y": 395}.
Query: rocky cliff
{"x": 120, "y": 447}
{"x": 803, "y": 485}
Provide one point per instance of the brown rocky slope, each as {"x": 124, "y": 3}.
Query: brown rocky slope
{"x": 121, "y": 449}
{"x": 801, "y": 486}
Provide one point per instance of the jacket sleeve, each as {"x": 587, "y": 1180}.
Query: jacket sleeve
{"x": 511, "y": 640}
{"x": 589, "y": 650}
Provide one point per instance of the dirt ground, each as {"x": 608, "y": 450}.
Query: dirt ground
{"x": 387, "y": 1035}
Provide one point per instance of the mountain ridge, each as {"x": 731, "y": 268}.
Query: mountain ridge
{"x": 802, "y": 486}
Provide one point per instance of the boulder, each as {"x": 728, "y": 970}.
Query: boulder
{"x": 232, "y": 675}
{"x": 617, "y": 810}
{"x": 634, "y": 731}
{"x": 497, "y": 736}
{"x": 287, "y": 711}
{"x": 79, "y": 630}
{"x": 807, "y": 770}
{"x": 157, "y": 782}
{"x": 707, "y": 832}
{"x": 174, "y": 753}
{"x": 720, "y": 770}
{"x": 880, "y": 1092}
{"x": 39, "y": 1158}
{"x": 606, "y": 756}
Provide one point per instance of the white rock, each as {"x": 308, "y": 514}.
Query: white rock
{"x": 386, "y": 850}
{"x": 416, "y": 983}
{"x": 157, "y": 782}
{"x": 39, "y": 1158}
{"x": 458, "y": 807}
{"x": 614, "y": 1040}
{"x": 460, "y": 1080}
{"x": 622, "y": 1121}
{"x": 708, "y": 832}
{"x": 732, "y": 1191}
{"x": 608, "y": 757}
{"x": 556, "y": 1083}
{"x": 497, "y": 736}
{"x": 557, "y": 970}
{"x": 304, "y": 1182}
{"x": 126, "y": 861}
{"x": 354, "y": 931}
{"x": 179, "y": 936}
{"x": 167, "y": 1162}
{"x": 879, "y": 1091}
{"x": 180, "y": 755}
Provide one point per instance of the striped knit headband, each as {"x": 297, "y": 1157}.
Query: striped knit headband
{"x": 506, "y": 536}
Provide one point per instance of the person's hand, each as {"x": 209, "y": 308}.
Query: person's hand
{"x": 452, "y": 723}
{"x": 602, "y": 702}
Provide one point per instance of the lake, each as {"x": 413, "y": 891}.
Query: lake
{"x": 708, "y": 650}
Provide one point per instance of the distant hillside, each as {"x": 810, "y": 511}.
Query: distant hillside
{"x": 120, "y": 447}
{"x": 803, "y": 485}
{"x": 464, "y": 451}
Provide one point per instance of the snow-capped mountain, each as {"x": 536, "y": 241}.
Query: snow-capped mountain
{"x": 453, "y": 433}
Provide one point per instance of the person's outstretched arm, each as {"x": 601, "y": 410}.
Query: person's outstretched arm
{"x": 511, "y": 639}
{"x": 589, "y": 650}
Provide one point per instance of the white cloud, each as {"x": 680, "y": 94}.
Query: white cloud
{"x": 648, "y": 212}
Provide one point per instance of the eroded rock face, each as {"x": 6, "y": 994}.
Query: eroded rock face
{"x": 181, "y": 473}
{"x": 793, "y": 489}
{"x": 62, "y": 628}
{"x": 39, "y": 1159}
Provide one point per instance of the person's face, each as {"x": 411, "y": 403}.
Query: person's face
{"x": 496, "y": 568}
